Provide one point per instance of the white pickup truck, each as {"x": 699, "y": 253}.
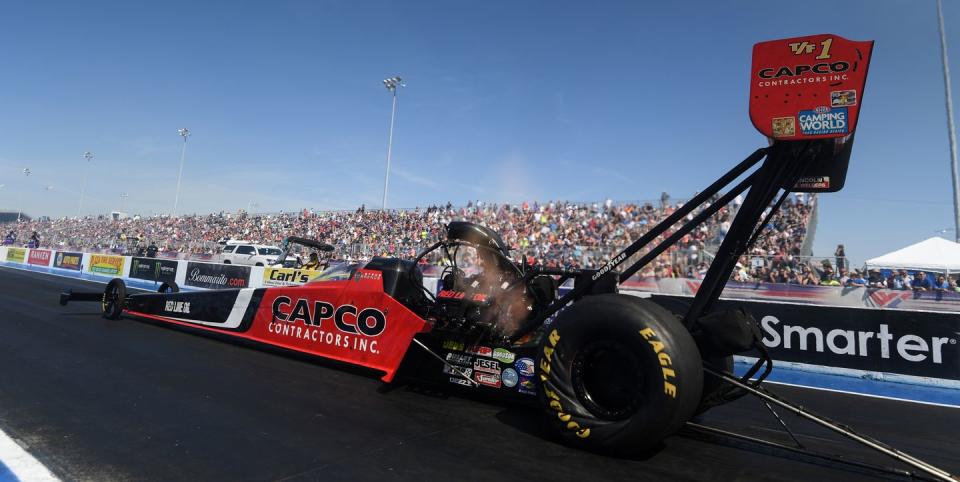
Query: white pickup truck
{"x": 249, "y": 254}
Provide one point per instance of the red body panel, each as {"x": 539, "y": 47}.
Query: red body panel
{"x": 352, "y": 321}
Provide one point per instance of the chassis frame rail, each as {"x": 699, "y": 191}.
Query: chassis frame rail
{"x": 836, "y": 427}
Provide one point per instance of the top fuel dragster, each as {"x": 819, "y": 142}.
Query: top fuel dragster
{"x": 614, "y": 373}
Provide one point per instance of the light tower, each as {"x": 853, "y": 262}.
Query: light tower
{"x": 391, "y": 84}
{"x": 86, "y": 172}
{"x": 184, "y": 133}
{"x": 26, "y": 173}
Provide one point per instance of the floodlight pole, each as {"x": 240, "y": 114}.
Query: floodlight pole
{"x": 86, "y": 172}
{"x": 391, "y": 84}
{"x": 950, "y": 129}
{"x": 26, "y": 172}
{"x": 183, "y": 154}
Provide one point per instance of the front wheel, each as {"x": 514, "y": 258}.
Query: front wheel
{"x": 114, "y": 299}
{"x": 618, "y": 374}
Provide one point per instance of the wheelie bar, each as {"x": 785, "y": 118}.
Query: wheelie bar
{"x": 835, "y": 427}
{"x": 69, "y": 295}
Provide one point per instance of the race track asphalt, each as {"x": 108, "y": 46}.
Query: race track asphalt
{"x": 127, "y": 400}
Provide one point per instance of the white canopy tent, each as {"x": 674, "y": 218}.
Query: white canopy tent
{"x": 935, "y": 254}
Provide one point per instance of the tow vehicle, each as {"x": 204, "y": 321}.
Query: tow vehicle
{"x": 614, "y": 373}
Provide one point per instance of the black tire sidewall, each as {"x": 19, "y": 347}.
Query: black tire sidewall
{"x": 668, "y": 362}
{"x": 168, "y": 287}
{"x": 115, "y": 288}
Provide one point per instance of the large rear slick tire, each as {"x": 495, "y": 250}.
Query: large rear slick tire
{"x": 114, "y": 299}
{"x": 618, "y": 374}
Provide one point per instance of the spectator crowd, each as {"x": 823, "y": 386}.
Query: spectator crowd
{"x": 555, "y": 234}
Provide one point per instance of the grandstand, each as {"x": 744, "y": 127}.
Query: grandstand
{"x": 551, "y": 233}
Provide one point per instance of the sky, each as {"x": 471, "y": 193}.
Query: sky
{"x": 505, "y": 101}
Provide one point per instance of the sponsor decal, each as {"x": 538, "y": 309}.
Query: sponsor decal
{"x": 823, "y": 120}
{"x": 39, "y": 257}
{"x": 784, "y": 127}
{"x": 67, "y": 260}
{"x": 460, "y": 381}
{"x": 487, "y": 379}
{"x": 813, "y": 182}
{"x": 607, "y": 267}
{"x": 365, "y": 274}
{"x": 106, "y": 264}
{"x": 452, "y": 345}
{"x": 459, "y": 295}
{"x": 162, "y": 270}
{"x": 525, "y": 367}
{"x": 554, "y": 400}
{"x": 510, "y": 378}
{"x": 843, "y": 98}
{"x": 834, "y": 71}
{"x": 288, "y": 276}
{"x": 527, "y": 386}
{"x": 466, "y": 372}
{"x": 460, "y": 359}
{"x": 352, "y": 328}
{"x": 217, "y": 276}
{"x": 504, "y": 355}
{"x": 487, "y": 366}
{"x": 172, "y": 306}
{"x": 480, "y": 351}
{"x": 16, "y": 255}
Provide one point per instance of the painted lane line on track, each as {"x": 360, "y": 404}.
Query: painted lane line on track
{"x": 20, "y": 464}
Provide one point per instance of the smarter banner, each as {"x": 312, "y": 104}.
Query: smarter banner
{"x": 917, "y": 343}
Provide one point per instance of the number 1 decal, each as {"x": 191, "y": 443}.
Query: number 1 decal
{"x": 800, "y": 48}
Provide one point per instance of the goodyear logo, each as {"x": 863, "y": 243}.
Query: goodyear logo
{"x": 555, "y": 403}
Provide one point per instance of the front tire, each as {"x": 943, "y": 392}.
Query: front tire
{"x": 114, "y": 299}
{"x": 618, "y": 374}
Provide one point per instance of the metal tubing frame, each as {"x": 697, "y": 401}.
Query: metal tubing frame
{"x": 660, "y": 228}
{"x": 834, "y": 426}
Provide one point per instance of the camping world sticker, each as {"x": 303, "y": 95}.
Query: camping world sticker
{"x": 823, "y": 120}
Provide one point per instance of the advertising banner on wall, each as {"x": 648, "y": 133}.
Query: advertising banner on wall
{"x": 162, "y": 270}
{"x": 288, "y": 276}
{"x": 917, "y": 343}
{"x": 217, "y": 276}
{"x": 106, "y": 264}
{"x": 39, "y": 257}
{"x": 68, "y": 260}
{"x": 16, "y": 255}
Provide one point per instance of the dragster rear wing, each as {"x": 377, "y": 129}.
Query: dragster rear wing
{"x": 811, "y": 89}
